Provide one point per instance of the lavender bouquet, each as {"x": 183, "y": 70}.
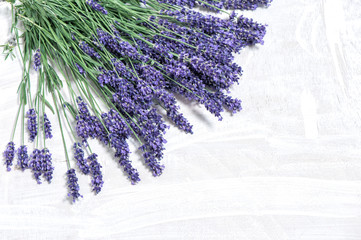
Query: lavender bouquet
{"x": 123, "y": 64}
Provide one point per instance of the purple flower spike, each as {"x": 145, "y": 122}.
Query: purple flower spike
{"x": 47, "y": 166}
{"x": 37, "y": 60}
{"x": 23, "y": 157}
{"x": 47, "y": 127}
{"x": 122, "y": 151}
{"x": 246, "y": 5}
{"x": 89, "y": 50}
{"x": 154, "y": 165}
{"x": 96, "y": 6}
{"x": 83, "y": 109}
{"x": 97, "y": 177}
{"x": 169, "y": 103}
{"x": 79, "y": 157}
{"x": 119, "y": 132}
{"x": 80, "y": 69}
{"x": 73, "y": 185}
{"x": 35, "y": 164}
{"x": 84, "y": 122}
{"x": 32, "y": 124}
{"x": 9, "y": 155}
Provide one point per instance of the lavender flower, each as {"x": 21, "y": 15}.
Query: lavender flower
{"x": 79, "y": 157}
{"x": 46, "y": 165}
{"x": 152, "y": 162}
{"x": 32, "y": 124}
{"x": 96, "y": 6}
{"x": 168, "y": 101}
{"x": 119, "y": 132}
{"x": 80, "y": 69}
{"x": 88, "y": 50}
{"x": 82, "y": 108}
{"x": 152, "y": 130}
{"x": 73, "y": 185}
{"x": 232, "y": 104}
{"x": 89, "y": 126}
{"x": 37, "y": 60}
{"x": 97, "y": 177}
{"x": 35, "y": 164}
{"x": 215, "y": 5}
{"x": 122, "y": 152}
{"x": 83, "y": 123}
{"x": 246, "y": 5}
{"x": 118, "y": 46}
{"x": 23, "y": 157}
{"x": 47, "y": 127}
{"x": 9, "y": 155}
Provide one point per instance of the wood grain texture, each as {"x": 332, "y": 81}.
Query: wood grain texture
{"x": 287, "y": 167}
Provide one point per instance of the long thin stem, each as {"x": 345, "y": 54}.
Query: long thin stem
{"x": 16, "y": 122}
{"x": 23, "y": 126}
{"x": 61, "y": 130}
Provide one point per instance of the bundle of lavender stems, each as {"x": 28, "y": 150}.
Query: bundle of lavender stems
{"x": 124, "y": 64}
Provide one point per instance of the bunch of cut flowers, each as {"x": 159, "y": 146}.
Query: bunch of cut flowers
{"x": 124, "y": 64}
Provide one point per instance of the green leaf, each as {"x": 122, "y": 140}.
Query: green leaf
{"x": 23, "y": 93}
{"x": 49, "y": 106}
{"x": 71, "y": 109}
{"x": 68, "y": 18}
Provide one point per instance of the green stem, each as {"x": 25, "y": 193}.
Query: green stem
{"x": 61, "y": 130}
{"x": 23, "y": 126}
{"x": 16, "y": 122}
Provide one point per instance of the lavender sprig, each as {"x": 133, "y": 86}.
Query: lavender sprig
{"x": 47, "y": 127}
{"x": 73, "y": 185}
{"x": 47, "y": 165}
{"x": 96, "y": 6}
{"x": 9, "y": 155}
{"x": 23, "y": 157}
{"x": 37, "y": 60}
{"x": 97, "y": 176}
{"x": 35, "y": 164}
{"x": 80, "y": 160}
{"x": 32, "y": 124}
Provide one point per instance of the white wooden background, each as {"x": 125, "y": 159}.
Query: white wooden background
{"x": 287, "y": 167}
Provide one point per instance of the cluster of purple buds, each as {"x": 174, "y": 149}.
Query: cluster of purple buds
{"x": 95, "y": 170}
{"x": 245, "y": 5}
{"x": 23, "y": 157}
{"x": 88, "y": 126}
{"x": 9, "y": 155}
{"x": 117, "y": 46}
{"x": 37, "y": 60}
{"x": 47, "y": 166}
{"x": 32, "y": 124}
{"x": 216, "y": 5}
{"x": 118, "y": 134}
{"x": 35, "y": 164}
{"x": 96, "y": 6}
{"x": 168, "y": 101}
{"x": 80, "y": 160}
{"x": 80, "y": 69}
{"x": 73, "y": 185}
{"x": 89, "y": 50}
{"x": 47, "y": 127}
